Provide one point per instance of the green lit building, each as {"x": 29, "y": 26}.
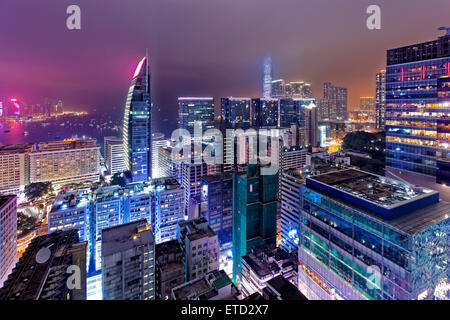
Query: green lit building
{"x": 254, "y": 214}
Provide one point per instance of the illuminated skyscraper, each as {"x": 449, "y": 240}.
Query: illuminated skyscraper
{"x": 267, "y": 78}
{"x": 417, "y": 113}
{"x": 237, "y": 111}
{"x": 137, "y": 124}
{"x": 380, "y": 100}
{"x": 8, "y": 236}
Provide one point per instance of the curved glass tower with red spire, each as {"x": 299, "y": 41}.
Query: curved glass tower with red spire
{"x": 137, "y": 131}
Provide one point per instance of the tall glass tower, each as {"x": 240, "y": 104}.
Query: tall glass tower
{"x": 267, "y": 78}
{"x": 137, "y": 124}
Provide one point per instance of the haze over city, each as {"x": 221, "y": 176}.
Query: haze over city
{"x": 197, "y": 49}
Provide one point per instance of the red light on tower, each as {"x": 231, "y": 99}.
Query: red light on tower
{"x": 138, "y": 68}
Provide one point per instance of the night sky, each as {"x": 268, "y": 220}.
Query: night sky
{"x": 200, "y": 47}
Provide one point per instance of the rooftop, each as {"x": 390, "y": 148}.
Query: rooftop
{"x": 5, "y": 199}
{"x": 126, "y": 236}
{"x": 403, "y": 207}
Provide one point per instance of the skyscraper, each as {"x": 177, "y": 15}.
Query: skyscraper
{"x": 308, "y": 122}
{"x": 128, "y": 262}
{"x": 265, "y": 112}
{"x": 194, "y": 110}
{"x": 267, "y": 78}
{"x": 8, "y": 235}
{"x": 367, "y": 105}
{"x": 380, "y": 100}
{"x": 254, "y": 214}
{"x": 157, "y": 141}
{"x": 417, "y": 111}
{"x": 237, "y": 111}
{"x": 114, "y": 155}
{"x": 278, "y": 89}
{"x": 137, "y": 133}
{"x": 333, "y": 106}
{"x": 364, "y": 236}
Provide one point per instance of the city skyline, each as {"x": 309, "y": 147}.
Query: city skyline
{"x": 196, "y": 68}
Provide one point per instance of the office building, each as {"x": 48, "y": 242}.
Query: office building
{"x": 254, "y": 214}
{"x": 308, "y": 122}
{"x": 70, "y": 211}
{"x": 137, "y": 132}
{"x": 52, "y": 268}
{"x": 380, "y": 100}
{"x": 14, "y": 164}
{"x": 333, "y": 105}
{"x": 263, "y": 264}
{"x": 364, "y": 236}
{"x": 237, "y": 112}
{"x": 290, "y": 209}
{"x": 265, "y": 112}
{"x": 114, "y": 155}
{"x": 217, "y": 206}
{"x": 169, "y": 269}
{"x": 169, "y": 209}
{"x": 8, "y": 236}
{"x": 157, "y": 142}
{"x": 267, "y": 78}
{"x": 128, "y": 262}
{"x": 278, "y": 89}
{"x": 65, "y": 161}
{"x": 200, "y": 246}
{"x": 417, "y": 108}
{"x": 196, "y": 111}
{"x": 367, "y": 105}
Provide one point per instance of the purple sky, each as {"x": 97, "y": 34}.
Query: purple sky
{"x": 200, "y": 47}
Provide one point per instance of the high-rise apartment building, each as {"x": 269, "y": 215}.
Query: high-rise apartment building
{"x": 169, "y": 266}
{"x": 70, "y": 211}
{"x": 52, "y": 268}
{"x": 8, "y": 236}
{"x": 65, "y": 161}
{"x": 308, "y": 122}
{"x": 380, "y": 100}
{"x": 137, "y": 132}
{"x": 333, "y": 105}
{"x": 169, "y": 209}
{"x": 417, "y": 111}
{"x": 14, "y": 164}
{"x": 279, "y": 89}
{"x": 299, "y": 90}
{"x": 128, "y": 262}
{"x": 254, "y": 214}
{"x": 200, "y": 246}
{"x": 364, "y": 236}
{"x": 114, "y": 155}
{"x": 196, "y": 111}
{"x": 367, "y": 105}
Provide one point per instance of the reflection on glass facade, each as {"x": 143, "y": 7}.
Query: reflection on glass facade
{"x": 417, "y": 104}
{"x": 346, "y": 252}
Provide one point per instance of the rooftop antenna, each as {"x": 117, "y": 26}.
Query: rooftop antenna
{"x": 447, "y": 29}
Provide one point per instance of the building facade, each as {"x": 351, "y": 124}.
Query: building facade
{"x": 8, "y": 236}
{"x": 128, "y": 262}
{"x": 364, "y": 236}
{"x": 137, "y": 131}
{"x": 196, "y": 111}
{"x": 114, "y": 155}
{"x": 416, "y": 110}
{"x": 380, "y": 100}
